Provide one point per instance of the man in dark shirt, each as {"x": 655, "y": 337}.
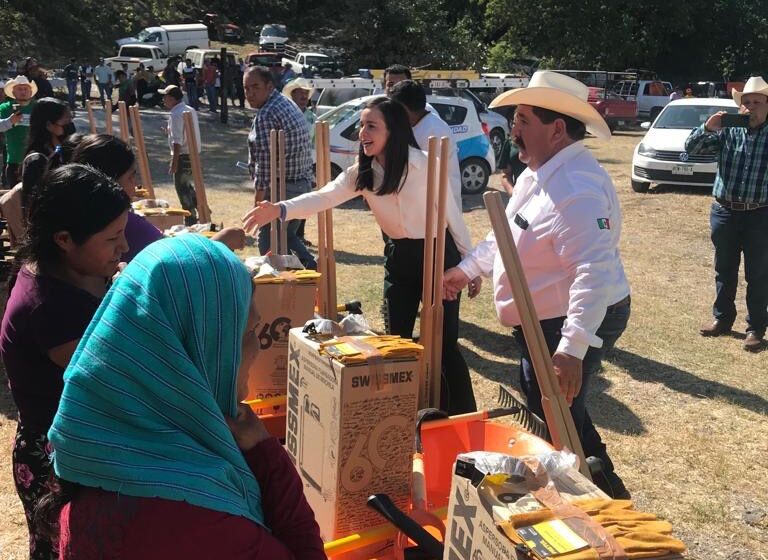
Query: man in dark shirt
{"x": 739, "y": 215}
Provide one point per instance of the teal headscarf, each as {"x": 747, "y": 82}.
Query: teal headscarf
{"x": 146, "y": 392}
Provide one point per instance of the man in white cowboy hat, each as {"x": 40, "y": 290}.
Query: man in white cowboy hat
{"x": 300, "y": 92}
{"x": 739, "y": 214}
{"x": 21, "y": 93}
{"x": 566, "y": 222}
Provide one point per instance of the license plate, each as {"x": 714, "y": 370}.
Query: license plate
{"x": 682, "y": 169}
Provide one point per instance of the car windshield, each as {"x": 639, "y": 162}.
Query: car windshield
{"x": 274, "y": 31}
{"x": 688, "y": 116}
{"x": 333, "y": 97}
{"x": 335, "y": 116}
{"x": 142, "y": 36}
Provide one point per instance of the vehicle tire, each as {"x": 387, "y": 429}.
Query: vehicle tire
{"x": 497, "y": 136}
{"x": 655, "y": 113}
{"x": 640, "y": 186}
{"x": 612, "y": 126}
{"x": 475, "y": 174}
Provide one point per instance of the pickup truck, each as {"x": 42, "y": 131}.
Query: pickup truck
{"x": 133, "y": 55}
{"x": 651, "y": 95}
{"x": 616, "y": 110}
{"x": 310, "y": 65}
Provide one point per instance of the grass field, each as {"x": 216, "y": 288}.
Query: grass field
{"x": 684, "y": 417}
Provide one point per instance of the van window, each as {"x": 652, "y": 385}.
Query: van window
{"x": 451, "y": 114}
{"x": 153, "y": 37}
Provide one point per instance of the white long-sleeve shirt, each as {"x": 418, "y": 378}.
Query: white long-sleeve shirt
{"x": 432, "y": 125}
{"x": 176, "y": 133}
{"x": 401, "y": 215}
{"x": 566, "y": 221}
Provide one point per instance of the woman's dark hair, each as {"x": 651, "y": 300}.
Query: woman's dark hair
{"x": 575, "y": 129}
{"x": 395, "y": 152}
{"x": 74, "y": 198}
{"x": 46, "y": 110}
{"x": 106, "y": 153}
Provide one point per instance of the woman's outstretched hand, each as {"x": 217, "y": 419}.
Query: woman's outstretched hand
{"x": 263, "y": 213}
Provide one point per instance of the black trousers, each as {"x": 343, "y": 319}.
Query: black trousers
{"x": 403, "y": 280}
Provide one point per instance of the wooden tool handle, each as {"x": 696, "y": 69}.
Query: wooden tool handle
{"x": 556, "y": 410}
{"x": 122, "y": 111}
{"x": 283, "y": 247}
{"x": 427, "y": 319}
{"x": 330, "y": 253}
{"x": 91, "y": 118}
{"x": 274, "y": 190}
{"x": 141, "y": 152}
{"x": 203, "y": 212}
{"x": 108, "y": 116}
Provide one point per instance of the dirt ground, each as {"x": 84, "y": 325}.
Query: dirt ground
{"x": 684, "y": 417}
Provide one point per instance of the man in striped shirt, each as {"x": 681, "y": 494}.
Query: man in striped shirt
{"x": 739, "y": 215}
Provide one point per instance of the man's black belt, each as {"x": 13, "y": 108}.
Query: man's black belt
{"x": 741, "y": 206}
{"x": 620, "y": 303}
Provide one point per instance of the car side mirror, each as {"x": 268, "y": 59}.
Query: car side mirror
{"x": 645, "y": 125}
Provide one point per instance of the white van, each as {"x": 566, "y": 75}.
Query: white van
{"x": 172, "y": 39}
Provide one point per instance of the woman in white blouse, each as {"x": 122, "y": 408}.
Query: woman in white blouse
{"x": 391, "y": 175}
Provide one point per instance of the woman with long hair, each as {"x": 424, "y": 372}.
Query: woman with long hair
{"x": 49, "y": 125}
{"x": 391, "y": 175}
{"x": 75, "y": 237}
{"x": 154, "y": 456}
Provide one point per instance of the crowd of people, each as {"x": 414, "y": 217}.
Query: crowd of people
{"x": 125, "y": 351}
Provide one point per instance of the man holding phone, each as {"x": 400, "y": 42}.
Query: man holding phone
{"x": 739, "y": 215}
{"x": 21, "y": 93}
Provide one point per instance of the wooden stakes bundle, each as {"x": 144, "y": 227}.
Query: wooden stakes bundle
{"x": 141, "y": 151}
{"x": 556, "y": 410}
{"x": 283, "y": 240}
{"x": 203, "y": 212}
{"x": 108, "y": 116}
{"x": 326, "y": 261}
{"x": 91, "y": 118}
{"x": 125, "y": 134}
{"x": 431, "y": 329}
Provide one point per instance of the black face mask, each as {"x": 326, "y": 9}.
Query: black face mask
{"x": 68, "y": 129}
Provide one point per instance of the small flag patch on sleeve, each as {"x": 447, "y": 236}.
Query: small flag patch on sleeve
{"x": 603, "y": 223}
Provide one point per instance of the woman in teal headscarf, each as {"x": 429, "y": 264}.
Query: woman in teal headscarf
{"x": 164, "y": 462}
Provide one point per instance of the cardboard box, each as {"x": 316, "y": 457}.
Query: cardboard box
{"x": 350, "y": 432}
{"x": 164, "y": 221}
{"x": 471, "y": 531}
{"x": 281, "y": 307}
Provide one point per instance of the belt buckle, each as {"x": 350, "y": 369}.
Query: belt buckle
{"x": 738, "y": 206}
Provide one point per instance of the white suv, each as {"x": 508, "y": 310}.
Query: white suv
{"x": 661, "y": 157}
{"x": 476, "y": 158}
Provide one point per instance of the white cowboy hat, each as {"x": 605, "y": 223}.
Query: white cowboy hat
{"x": 19, "y": 81}
{"x": 756, "y": 84}
{"x": 560, "y": 93}
{"x": 298, "y": 83}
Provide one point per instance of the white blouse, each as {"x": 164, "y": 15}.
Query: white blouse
{"x": 401, "y": 215}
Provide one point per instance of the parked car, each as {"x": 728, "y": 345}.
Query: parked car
{"x": 221, "y": 29}
{"x": 651, "y": 95}
{"x": 476, "y": 158}
{"x": 495, "y": 124}
{"x": 661, "y": 157}
{"x": 172, "y": 39}
{"x": 616, "y": 110}
{"x": 267, "y": 59}
{"x": 273, "y": 37}
{"x": 133, "y": 55}
{"x": 198, "y": 56}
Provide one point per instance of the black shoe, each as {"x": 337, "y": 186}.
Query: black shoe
{"x": 754, "y": 341}
{"x": 611, "y": 484}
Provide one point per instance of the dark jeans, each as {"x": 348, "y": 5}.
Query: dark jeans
{"x": 185, "y": 188}
{"x": 85, "y": 88}
{"x": 403, "y": 279}
{"x": 192, "y": 96}
{"x": 295, "y": 245}
{"x": 610, "y": 330}
{"x": 105, "y": 91}
{"x": 210, "y": 92}
{"x": 733, "y": 233}
{"x": 72, "y": 94}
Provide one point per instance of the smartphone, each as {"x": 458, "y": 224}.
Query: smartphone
{"x": 16, "y": 107}
{"x": 730, "y": 120}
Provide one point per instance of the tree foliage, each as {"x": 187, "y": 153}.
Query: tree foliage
{"x": 682, "y": 39}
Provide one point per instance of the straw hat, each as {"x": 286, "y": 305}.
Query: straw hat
{"x": 19, "y": 81}
{"x": 298, "y": 83}
{"x": 560, "y": 93}
{"x": 756, "y": 84}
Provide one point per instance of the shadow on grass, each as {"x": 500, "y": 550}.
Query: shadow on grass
{"x": 645, "y": 369}
{"x": 698, "y": 190}
{"x": 607, "y": 412}
{"x": 345, "y": 257}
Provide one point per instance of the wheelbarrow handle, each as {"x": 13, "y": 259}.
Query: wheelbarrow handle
{"x": 426, "y": 542}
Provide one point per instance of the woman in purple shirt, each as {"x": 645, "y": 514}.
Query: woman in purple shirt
{"x": 114, "y": 157}
{"x": 75, "y": 240}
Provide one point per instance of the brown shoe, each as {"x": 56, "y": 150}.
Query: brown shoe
{"x": 754, "y": 341}
{"x": 716, "y": 328}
